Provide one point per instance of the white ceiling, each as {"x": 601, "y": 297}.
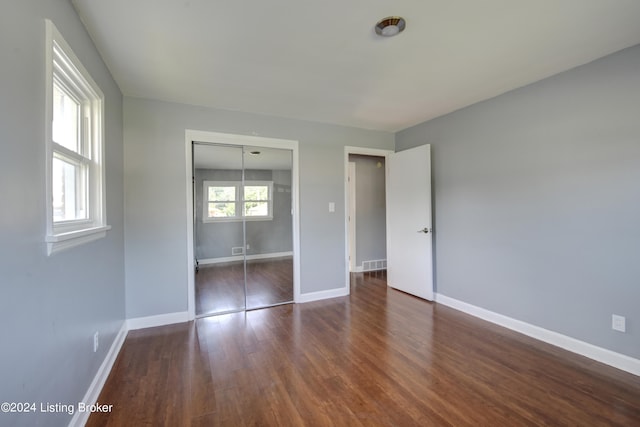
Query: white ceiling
{"x": 321, "y": 60}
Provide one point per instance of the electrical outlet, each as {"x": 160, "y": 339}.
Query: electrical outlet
{"x": 96, "y": 342}
{"x": 618, "y": 323}
{"x": 248, "y": 246}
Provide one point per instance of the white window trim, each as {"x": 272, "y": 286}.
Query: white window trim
{"x": 239, "y": 201}
{"x": 65, "y": 235}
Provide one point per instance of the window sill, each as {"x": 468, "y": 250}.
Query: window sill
{"x": 62, "y": 241}
{"x": 235, "y": 219}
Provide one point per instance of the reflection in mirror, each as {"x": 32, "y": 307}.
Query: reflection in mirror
{"x": 243, "y": 227}
{"x": 268, "y": 229}
{"x": 219, "y": 235}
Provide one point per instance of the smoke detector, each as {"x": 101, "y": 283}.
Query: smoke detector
{"x": 390, "y": 26}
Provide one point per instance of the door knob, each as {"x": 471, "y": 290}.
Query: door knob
{"x": 424, "y": 230}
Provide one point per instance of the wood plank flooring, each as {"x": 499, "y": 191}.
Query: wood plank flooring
{"x": 220, "y": 287}
{"x": 377, "y": 358}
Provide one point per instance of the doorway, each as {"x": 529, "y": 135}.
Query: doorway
{"x": 365, "y": 216}
{"x": 409, "y": 231}
{"x": 244, "y": 225}
{"x": 367, "y": 213}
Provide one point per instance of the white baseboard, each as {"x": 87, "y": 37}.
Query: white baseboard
{"x": 159, "y": 320}
{"x": 91, "y": 396}
{"x": 320, "y": 295}
{"x": 608, "y": 357}
{"x": 208, "y": 261}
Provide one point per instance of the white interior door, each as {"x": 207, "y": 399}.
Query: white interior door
{"x": 409, "y": 232}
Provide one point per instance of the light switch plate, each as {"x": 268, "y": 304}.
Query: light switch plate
{"x": 618, "y": 323}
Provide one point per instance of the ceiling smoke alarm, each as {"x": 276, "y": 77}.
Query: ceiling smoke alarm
{"x": 390, "y": 26}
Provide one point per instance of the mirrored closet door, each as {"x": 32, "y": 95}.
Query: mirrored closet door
{"x": 243, "y": 227}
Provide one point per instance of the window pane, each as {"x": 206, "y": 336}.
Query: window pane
{"x": 256, "y": 208}
{"x": 66, "y": 114}
{"x": 222, "y": 210}
{"x": 256, "y": 192}
{"x": 68, "y": 191}
{"x": 222, "y": 194}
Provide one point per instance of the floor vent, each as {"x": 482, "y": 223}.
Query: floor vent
{"x": 377, "y": 264}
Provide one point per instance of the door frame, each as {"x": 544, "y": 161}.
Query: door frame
{"x": 366, "y": 152}
{"x": 351, "y": 218}
{"x": 239, "y": 140}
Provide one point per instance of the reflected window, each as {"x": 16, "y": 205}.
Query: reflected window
{"x": 233, "y": 201}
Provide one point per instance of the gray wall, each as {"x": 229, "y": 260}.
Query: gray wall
{"x": 156, "y": 237}
{"x": 537, "y": 201}
{"x": 371, "y": 239}
{"x": 51, "y": 306}
{"x": 215, "y": 239}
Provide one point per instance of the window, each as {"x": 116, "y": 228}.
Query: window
{"x": 74, "y": 144}
{"x": 233, "y": 201}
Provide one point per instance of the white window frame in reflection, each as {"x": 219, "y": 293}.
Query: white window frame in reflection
{"x": 238, "y": 201}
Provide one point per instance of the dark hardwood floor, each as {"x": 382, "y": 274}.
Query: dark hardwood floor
{"x": 377, "y": 358}
{"x": 220, "y": 287}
